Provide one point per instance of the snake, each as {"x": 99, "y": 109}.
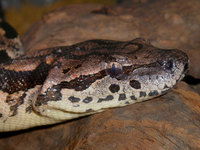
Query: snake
{"x": 55, "y": 84}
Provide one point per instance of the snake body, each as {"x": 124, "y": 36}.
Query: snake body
{"x": 61, "y": 83}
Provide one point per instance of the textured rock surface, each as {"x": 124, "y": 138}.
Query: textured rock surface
{"x": 166, "y": 24}
{"x": 168, "y": 122}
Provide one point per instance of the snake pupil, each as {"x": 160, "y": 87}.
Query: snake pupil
{"x": 113, "y": 68}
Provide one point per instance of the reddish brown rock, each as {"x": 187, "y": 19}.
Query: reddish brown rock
{"x": 163, "y": 123}
{"x": 166, "y": 24}
{"x": 168, "y": 122}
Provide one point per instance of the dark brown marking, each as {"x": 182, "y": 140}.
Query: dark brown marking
{"x": 74, "y": 99}
{"x": 24, "y": 80}
{"x": 114, "y": 88}
{"x": 154, "y": 93}
{"x": 19, "y": 101}
{"x": 66, "y": 70}
{"x": 122, "y": 97}
{"x": 77, "y": 66}
{"x": 143, "y": 94}
{"x": 108, "y": 98}
{"x": 4, "y": 56}
{"x": 29, "y": 109}
{"x": 10, "y": 32}
{"x": 52, "y": 94}
{"x": 98, "y": 48}
{"x": 166, "y": 87}
{"x": 87, "y": 100}
{"x": 156, "y": 77}
{"x": 89, "y": 110}
{"x": 135, "y": 84}
{"x": 12, "y": 81}
{"x": 133, "y": 97}
{"x": 127, "y": 103}
{"x": 101, "y": 44}
{"x": 82, "y": 82}
{"x": 186, "y": 68}
{"x": 1, "y": 115}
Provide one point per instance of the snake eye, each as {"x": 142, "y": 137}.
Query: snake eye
{"x": 115, "y": 70}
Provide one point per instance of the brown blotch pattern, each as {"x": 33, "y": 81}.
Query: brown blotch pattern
{"x": 114, "y": 88}
{"x": 10, "y": 32}
{"x": 66, "y": 70}
{"x": 108, "y": 98}
{"x": 135, "y": 84}
{"x": 87, "y": 100}
{"x": 52, "y": 94}
{"x": 122, "y": 97}
{"x": 153, "y": 93}
{"x": 15, "y": 102}
{"x": 89, "y": 110}
{"x": 74, "y": 99}
{"x": 29, "y": 109}
{"x": 143, "y": 94}
{"x": 166, "y": 87}
{"x": 22, "y": 80}
{"x": 82, "y": 82}
{"x": 133, "y": 97}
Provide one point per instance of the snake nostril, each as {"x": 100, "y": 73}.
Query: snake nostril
{"x": 169, "y": 65}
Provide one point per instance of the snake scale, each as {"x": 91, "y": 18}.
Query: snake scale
{"x": 61, "y": 83}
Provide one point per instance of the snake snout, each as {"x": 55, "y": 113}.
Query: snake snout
{"x": 181, "y": 60}
{"x": 182, "y": 63}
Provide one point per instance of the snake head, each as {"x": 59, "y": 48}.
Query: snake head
{"x": 101, "y": 74}
{"x": 63, "y": 83}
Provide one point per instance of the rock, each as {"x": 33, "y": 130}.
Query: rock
{"x": 166, "y": 24}
{"x": 163, "y": 123}
{"x": 168, "y": 122}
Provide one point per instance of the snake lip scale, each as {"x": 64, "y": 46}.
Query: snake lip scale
{"x": 52, "y": 85}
